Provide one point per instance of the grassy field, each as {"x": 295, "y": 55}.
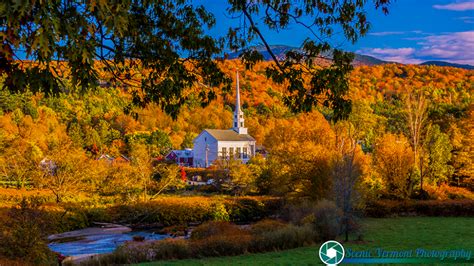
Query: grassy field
{"x": 389, "y": 234}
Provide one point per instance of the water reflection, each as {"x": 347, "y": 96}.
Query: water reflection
{"x": 99, "y": 244}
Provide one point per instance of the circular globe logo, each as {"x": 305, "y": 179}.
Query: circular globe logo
{"x": 331, "y": 252}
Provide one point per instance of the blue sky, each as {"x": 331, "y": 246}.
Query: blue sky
{"x": 413, "y": 32}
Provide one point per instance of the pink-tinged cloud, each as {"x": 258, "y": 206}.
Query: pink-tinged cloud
{"x": 468, "y": 20}
{"x": 455, "y": 47}
{"x": 461, "y": 6}
{"x": 388, "y": 33}
{"x": 399, "y": 55}
{"x": 391, "y": 51}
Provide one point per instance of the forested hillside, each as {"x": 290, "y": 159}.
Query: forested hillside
{"x": 420, "y": 117}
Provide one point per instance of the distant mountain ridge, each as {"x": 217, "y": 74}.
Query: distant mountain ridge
{"x": 444, "y": 63}
{"x": 360, "y": 60}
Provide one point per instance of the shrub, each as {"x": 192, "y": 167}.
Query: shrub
{"x": 177, "y": 230}
{"x": 286, "y": 237}
{"x": 132, "y": 253}
{"x": 456, "y": 192}
{"x": 215, "y": 228}
{"x": 266, "y": 225}
{"x": 23, "y": 234}
{"x": 168, "y": 249}
{"x": 213, "y": 239}
{"x": 246, "y": 210}
{"x": 129, "y": 253}
{"x": 219, "y": 212}
{"x": 97, "y": 214}
{"x": 222, "y": 245}
{"x": 299, "y": 213}
{"x": 324, "y": 216}
{"x": 11, "y": 195}
{"x": 181, "y": 210}
{"x": 164, "y": 210}
{"x": 217, "y": 238}
{"x": 326, "y": 220}
{"x": 444, "y": 192}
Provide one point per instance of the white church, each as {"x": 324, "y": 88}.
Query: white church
{"x": 214, "y": 144}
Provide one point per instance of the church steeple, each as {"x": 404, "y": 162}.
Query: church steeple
{"x": 238, "y": 114}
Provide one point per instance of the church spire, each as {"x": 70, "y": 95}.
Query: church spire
{"x": 238, "y": 114}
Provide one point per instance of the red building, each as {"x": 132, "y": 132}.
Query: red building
{"x": 181, "y": 157}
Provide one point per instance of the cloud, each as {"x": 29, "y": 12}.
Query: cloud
{"x": 458, "y": 6}
{"x": 386, "y": 33}
{"x": 468, "y": 20}
{"x": 455, "y": 47}
{"x": 400, "y": 55}
{"x": 389, "y": 51}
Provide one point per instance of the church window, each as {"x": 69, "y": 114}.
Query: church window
{"x": 241, "y": 124}
{"x": 245, "y": 152}
{"x": 238, "y": 153}
{"x": 231, "y": 151}
{"x": 224, "y": 152}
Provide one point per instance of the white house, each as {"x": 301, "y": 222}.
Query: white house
{"x": 213, "y": 144}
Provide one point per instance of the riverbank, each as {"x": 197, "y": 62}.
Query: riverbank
{"x": 88, "y": 243}
{"x": 101, "y": 229}
{"x": 405, "y": 233}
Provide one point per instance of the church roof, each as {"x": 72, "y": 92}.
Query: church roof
{"x": 229, "y": 135}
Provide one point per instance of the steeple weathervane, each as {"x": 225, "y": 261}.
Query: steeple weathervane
{"x": 238, "y": 114}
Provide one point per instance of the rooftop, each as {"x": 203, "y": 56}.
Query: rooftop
{"x": 229, "y": 135}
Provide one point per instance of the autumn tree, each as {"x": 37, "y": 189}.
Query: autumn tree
{"x": 141, "y": 162}
{"x": 64, "y": 173}
{"x": 158, "y": 142}
{"x": 106, "y": 179}
{"x": 463, "y": 154}
{"x": 365, "y": 124}
{"x": 439, "y": 150}
{"x": 169, "y": 40}
{"x": 19, "y": 165}
{"x": 23, "y": 233}
{"x": 416, "y": 106}
{"x": 188, "y": 140}
{"x": 301, "y": 156}
{"x": 394, "y": 162}
{"x": 262, "y": 170}
{"x": 349, "y": 166}
{"x": 167, "y": 176}
{"x": 242, "y": 179}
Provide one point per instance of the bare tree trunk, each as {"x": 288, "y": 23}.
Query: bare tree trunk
{"x": 416, "y": 108}
{"x": 346, "y": 175}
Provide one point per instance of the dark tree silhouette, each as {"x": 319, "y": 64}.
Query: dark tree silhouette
{"x": 168, "y": 39}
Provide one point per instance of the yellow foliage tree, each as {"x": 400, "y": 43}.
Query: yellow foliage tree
{"x": 394, "y": 161}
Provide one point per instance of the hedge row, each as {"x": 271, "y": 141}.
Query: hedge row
{"x": 184, "y": 210}
{"x": 387, "y": 208}
{"x": 11, "y": 196}
{"x": 163, "y": 211}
